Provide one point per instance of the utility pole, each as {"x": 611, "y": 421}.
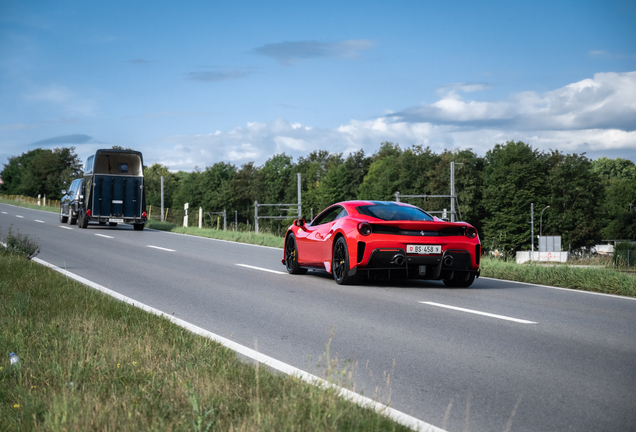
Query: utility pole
{"x": 452, "y": 185}
{"x": 532, "y": 231}
{"x": 161, "y": 198}
{"x": 299, "y": 201}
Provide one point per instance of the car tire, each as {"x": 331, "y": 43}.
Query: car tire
{"x": 112, "y": 223}
{"x": 63, "y": 218}
{"x": 139, "y": 227}
{"x": 82, "y": 222}
{"x": 291, "y": 256}
{"x": 71, "y": 220}
{"x": 460, "y": 284}
{"x": 340, "y": 263}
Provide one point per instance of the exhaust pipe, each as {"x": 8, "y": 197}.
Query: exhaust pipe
{"x": 448, "y": 261}
{"x": 399, "y": 260}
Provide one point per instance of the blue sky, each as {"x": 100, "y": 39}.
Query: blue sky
{"x": 193, "y": 83}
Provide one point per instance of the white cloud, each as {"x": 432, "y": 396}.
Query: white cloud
{"x": 63, "y": 99}
{"x": 592, "y": 115}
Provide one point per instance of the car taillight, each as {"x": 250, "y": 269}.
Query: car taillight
{"x": 471, "y": 233}
{"x": 88, "y": 213}
{"x": 364, "y": 228}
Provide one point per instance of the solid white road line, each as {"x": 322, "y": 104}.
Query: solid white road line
{"x": 502, "y": 317}
{"x": 65, "y": 227}
{"x": 104, "y": 235}
{"x": 262, "y": 269}
{"x": 398, "y": 416}
{"x": 572, "y": 290}
{"x": 21, "y": 217}
{"x": 157, "y": 247}
{"x": 39, "y": 221}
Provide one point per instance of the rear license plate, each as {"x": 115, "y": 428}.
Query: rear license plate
{"x": 115, "y": 220}
{"x": 424, "y": 249}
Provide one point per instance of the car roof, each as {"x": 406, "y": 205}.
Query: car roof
{"x": 355, "y": 203}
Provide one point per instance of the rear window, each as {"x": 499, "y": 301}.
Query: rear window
{"x": 389, "y": 212}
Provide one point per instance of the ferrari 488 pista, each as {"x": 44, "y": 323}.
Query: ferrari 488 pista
{"x": 383, "y": 239}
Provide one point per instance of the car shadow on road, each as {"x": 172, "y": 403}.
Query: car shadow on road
{"x": 386, "y": 283}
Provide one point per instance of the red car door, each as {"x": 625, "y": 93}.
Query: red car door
{"x": 311, "y": 245}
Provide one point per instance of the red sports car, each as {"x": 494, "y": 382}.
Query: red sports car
{"x": 383, "y": 239}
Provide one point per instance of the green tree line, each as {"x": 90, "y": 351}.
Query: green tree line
{"x": 589, "y": 200}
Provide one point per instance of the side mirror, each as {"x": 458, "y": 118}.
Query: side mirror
{"x": 81, "y": 197}
{"x": 63, "y": 191}
{"x": 299, "y": 223}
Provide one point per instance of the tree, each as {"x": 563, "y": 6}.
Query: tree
{"x": 41, "y": 171}
{"x": 619, "y": 182}
{"x": 383, "y": 178}
{"x": 152, "y": 182}
{"x": 514, "y": 176}
{"x": 575, "y": 200}
{"x": 217, "y": 183}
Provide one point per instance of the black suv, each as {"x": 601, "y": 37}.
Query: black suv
{"x": 72, "y": 202}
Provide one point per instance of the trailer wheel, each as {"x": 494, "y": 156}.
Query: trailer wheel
{"x": 139, "y": 227}
{"x": 112, "y": 223}
{"x": 82, "y": 222}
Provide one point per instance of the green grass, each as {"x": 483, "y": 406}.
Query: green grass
{"x": 89, "y": 362}
{"x": 263, "y": 239}
{"x": 605, "y": 280}
{"x": 31, "y": 206}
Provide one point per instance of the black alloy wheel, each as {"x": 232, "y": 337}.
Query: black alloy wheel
{"x": 291, "y": 256}
{"x": 340, "y": 263}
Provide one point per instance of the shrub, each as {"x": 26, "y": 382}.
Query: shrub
{"x": 21, "y": 244}
{"x": 625, "y": 254}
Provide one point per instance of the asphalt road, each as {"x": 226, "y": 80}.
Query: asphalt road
{"x": 544, "y": 360}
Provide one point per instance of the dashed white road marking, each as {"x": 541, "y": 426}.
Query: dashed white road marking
{"x": 261, "y": 269}
{"x": 39, "y": 221}
{"x": 502, "y": 317}
{"x": 104, "y": 235}
{"x": 21, "y": 217}
{"x": 157, "y": 247}
{"x": 65, "y": 227}
{"x": 5, "y": 213}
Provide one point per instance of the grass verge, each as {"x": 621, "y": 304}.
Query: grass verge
{"x": 603, "y": 280}
{"x": 90, "y": 362}
{"x": 262, "y": 239}
{"x": 28, "y": 205}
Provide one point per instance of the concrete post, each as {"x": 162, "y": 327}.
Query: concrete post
{"x": 200, "y": 217}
